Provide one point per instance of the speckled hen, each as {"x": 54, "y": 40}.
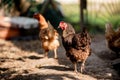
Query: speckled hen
{"x": 113, "y": 39}
{"x": 77, "y": 46}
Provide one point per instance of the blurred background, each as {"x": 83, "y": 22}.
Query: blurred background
{"x": 21, "y": 54}
{"x": 93, "y": 14}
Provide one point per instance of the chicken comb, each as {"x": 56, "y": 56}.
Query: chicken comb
{"x": 62, "y": 22}
{"x": 36, "y": 16}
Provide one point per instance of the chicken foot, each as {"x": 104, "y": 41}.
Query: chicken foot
{"x": 46, "y": 54}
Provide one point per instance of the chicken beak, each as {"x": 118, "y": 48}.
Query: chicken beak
{"x": 58, "y": 26}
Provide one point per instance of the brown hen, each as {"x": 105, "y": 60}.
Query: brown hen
{"x": 113, "y": 38}
{"x": 77, "y": 46}
{"x": 48, "y": 35}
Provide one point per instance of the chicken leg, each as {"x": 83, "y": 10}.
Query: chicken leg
{"x": 75, "y": 67}
{"x": 46, "y": 54}
{"x": 55, "y": 54}
{"x": 82, "y": 66}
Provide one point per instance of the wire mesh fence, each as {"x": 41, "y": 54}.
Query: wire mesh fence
{"x": 103, "y": 11}
{"x": 98, "y": 12}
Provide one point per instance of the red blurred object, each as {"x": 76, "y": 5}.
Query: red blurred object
{"x": 16, "y": 26}
{"x": 7, "y": 33}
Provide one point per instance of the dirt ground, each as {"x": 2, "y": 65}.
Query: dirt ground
{"x": 23, "y": 60}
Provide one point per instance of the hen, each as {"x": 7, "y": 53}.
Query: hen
{"x": 113, "y": 38}
{"x": 48, "y": 35}
{"x": 77, "y": 46}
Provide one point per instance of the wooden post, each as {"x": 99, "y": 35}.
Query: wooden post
{"x": 83, "y": 5}
{"x": 81, "y": 14}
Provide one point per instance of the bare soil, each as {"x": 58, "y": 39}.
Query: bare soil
{"x": 24, "y": 60}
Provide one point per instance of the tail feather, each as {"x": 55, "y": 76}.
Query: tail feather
{"x": 84, "y": 30}
{"x": 109, "y": 28}
{"x": 51, "y": 30}
{"x": 50, "y": 25}
{"x": 86, "y": 35}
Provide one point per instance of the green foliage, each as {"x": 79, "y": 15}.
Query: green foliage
{"x": 71, "y": 12}
{"x": 72, "y": 15}
{"x": 98, "y": 22}
{"x": 95, "y": 20}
